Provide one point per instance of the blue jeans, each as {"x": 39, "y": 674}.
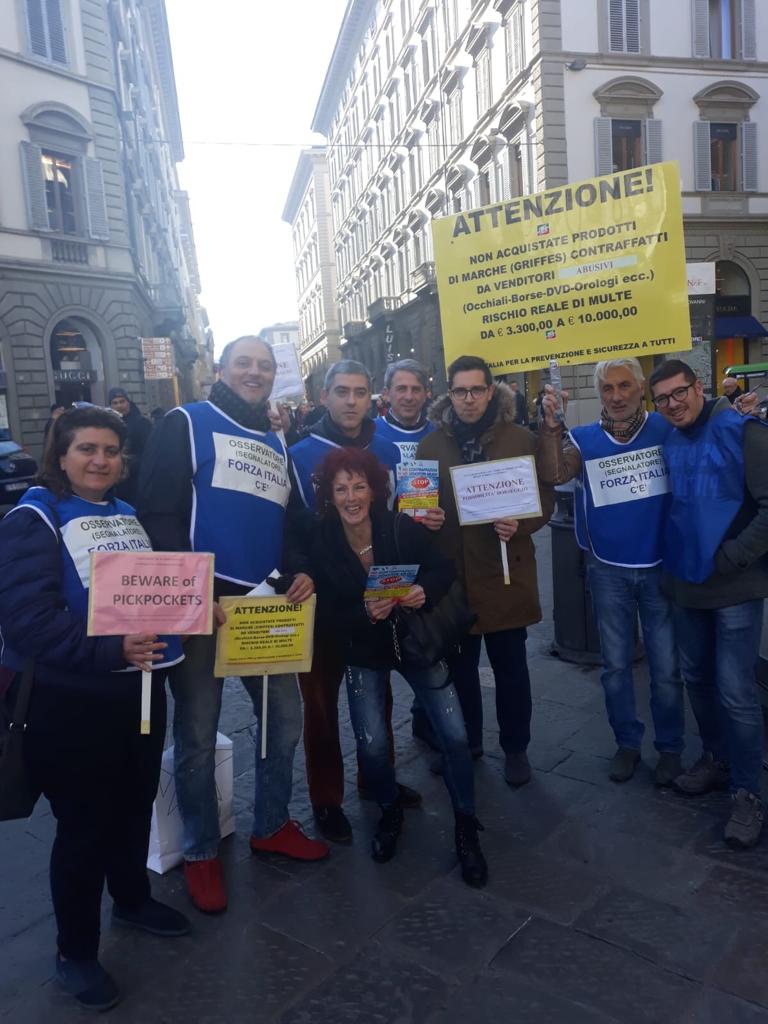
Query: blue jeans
{"x": 197, "y": 696}
{"x": 366, "y": 690}
{"x": 719, "y": 648}
{"x": 618, "y": 594}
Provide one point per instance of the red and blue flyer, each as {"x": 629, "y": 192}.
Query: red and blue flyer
{"x": 418, "y": 487}
{"x": 390, "y": 581}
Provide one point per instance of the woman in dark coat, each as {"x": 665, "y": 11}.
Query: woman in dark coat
{"x": 82, "y": 744}
{"x": 355, "y": 531}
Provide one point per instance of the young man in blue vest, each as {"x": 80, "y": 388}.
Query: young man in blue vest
{"x": 716, "y": 557}
{"x": 346, "y": 396}
{"x": 215, "y": 478}
{"x": 407, "y": 390}
{"x": 621, "y": 502}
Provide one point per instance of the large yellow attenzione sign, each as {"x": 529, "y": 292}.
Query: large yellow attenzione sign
{"x": 593, "y": 270}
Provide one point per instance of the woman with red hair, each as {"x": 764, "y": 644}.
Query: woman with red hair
{"x": 355, "y": 530}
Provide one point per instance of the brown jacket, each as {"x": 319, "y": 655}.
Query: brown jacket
{"x": 475, "y": 549}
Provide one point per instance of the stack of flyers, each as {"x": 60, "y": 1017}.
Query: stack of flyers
{"x": 390, "y": 581}
{"x": 417, "y": 486}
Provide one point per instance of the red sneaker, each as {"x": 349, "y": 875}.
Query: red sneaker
{"x": 205, "y": 884}
{"x": 291, "y": 842}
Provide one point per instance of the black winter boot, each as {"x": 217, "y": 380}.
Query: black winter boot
{"x": 474, "y": 869}
{"x": 389, "y": 828}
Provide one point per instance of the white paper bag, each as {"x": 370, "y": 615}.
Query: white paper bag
{"x": 166, "y": 837}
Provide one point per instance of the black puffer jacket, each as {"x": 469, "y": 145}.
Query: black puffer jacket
{"x": 340, "y": 581}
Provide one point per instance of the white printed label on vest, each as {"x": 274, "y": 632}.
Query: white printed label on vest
{"x": 630, "y": 476}
{"x": 407, "y": 450}
{"x": 251, "y": 467}
{"x": 101, "y": 533}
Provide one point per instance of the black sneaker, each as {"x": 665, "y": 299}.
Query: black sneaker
{"x": 517, "y": 769}
{"x": 88, "y": 982}
{"x": 153, "y": 917}
{"x": 623, "y": 764}
{"x": 704, "y": 777}
{"x": 333, "y": 824}
{"x": 746, "y": 821}
{"x": 474, "y": 869}
{"x": 668, "y": 768}
{"x": 407, "y": 797}
{"x": 387, "y": 832}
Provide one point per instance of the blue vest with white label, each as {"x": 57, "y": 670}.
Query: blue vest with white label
{"x": 308, "y": 453}
{"x": 241, "y": 488}
{"x": 86, "y": 526}
{"x": 622, "y": 496}
{"x": 407, "y": 441}
{"x": 706, "y": 469}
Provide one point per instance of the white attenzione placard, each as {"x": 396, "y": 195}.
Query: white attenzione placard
{"x": 487, "y": 491}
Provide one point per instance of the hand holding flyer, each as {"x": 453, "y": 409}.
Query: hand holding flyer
{"x": 418, "y": 486}
{"x": 390, "y": 581}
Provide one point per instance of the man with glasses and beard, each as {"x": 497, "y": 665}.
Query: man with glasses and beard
{"x": 475, "y": 423}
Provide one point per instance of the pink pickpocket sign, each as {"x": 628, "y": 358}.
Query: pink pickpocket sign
{"x": 150, "y": 592}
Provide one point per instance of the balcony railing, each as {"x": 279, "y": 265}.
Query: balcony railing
{"x": 423, "y": 276}
{"x": 66, "y": 251}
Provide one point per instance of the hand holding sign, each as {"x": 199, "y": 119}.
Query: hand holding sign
{"x": 142, "y": 650}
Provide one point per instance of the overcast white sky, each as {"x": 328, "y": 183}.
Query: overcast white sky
{"x": 247, "y": 72}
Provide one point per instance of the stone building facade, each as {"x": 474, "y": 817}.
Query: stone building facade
{"x": 431, "y": 107}
{"x": 96, "y": 243}
{"x": 308, "y": 211}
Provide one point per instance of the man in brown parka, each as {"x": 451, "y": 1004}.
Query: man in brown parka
{"x": 475, "y": 423}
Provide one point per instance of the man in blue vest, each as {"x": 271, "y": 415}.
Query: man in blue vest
{"x": 407, "y": 390}
{"x": 215, "y": 477}
{"x": 346, "y": 396}
{"x": 621, "y": 502}
{"x": 716, "y": 557}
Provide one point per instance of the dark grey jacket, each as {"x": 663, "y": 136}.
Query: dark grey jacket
{"x": 741, "y": 563}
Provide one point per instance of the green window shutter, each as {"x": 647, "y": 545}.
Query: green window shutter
{"x": 56, "y": 42}
{"x": 749, "y": 174}
{"x": 38, "y": 39}
{"x": 34, "y": 186}
{"x": 95, "y": 202}
{"x": 653, "y": 147}
{"x": 700, "y": 24}
{"x": 702, "y": 157}
{"x": 603, "y": 145}
{"x": 748, "y": 28}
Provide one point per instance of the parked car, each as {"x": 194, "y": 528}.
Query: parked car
{"x": 17, "y": 471}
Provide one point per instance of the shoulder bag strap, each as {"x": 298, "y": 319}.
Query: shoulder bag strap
{"x": 21, "y": 705}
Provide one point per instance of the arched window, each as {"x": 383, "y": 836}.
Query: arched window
{"x": 76, "y": 360}
{"x": 627, "y": 134}
{"x": 64, "y": 186}
{"x": 725, "y": 140}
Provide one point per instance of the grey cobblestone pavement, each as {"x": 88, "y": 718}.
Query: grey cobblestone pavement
{"x": 605, "y": 903}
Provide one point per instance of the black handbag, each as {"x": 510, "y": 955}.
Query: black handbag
{"x": 17, "y": 795}
{"x": 424, "y": 636}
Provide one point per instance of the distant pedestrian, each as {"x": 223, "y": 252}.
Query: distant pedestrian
{"x": 56, "y": 410}
{"x": 521, "y": 406}
{"x": 731, "y": 389}
{"x": 139, "y": 429}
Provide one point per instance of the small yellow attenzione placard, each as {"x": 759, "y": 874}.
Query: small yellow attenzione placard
{"x": 264, "y": 636}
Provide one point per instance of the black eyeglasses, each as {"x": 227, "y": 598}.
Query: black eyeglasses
{"x": 462, "y": 394}
{"x": 679, "y": 395}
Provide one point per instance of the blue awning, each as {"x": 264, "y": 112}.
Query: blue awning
{"x": 739, "y": 327}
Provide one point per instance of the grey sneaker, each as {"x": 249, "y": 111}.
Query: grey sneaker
{"x": 668, "y": 768}
{"x": 703, "y": 777}
{"x": 517, "y": 770}
{"x": 623, "y": 764}
{"x": 746, "y": 821}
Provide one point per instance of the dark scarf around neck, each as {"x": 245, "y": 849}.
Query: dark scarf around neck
{"x": 390, "y": 418}
{"x": 328, "y": 429}
{"x": 252, "y": 417}
{"x": 469, "y": 436}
